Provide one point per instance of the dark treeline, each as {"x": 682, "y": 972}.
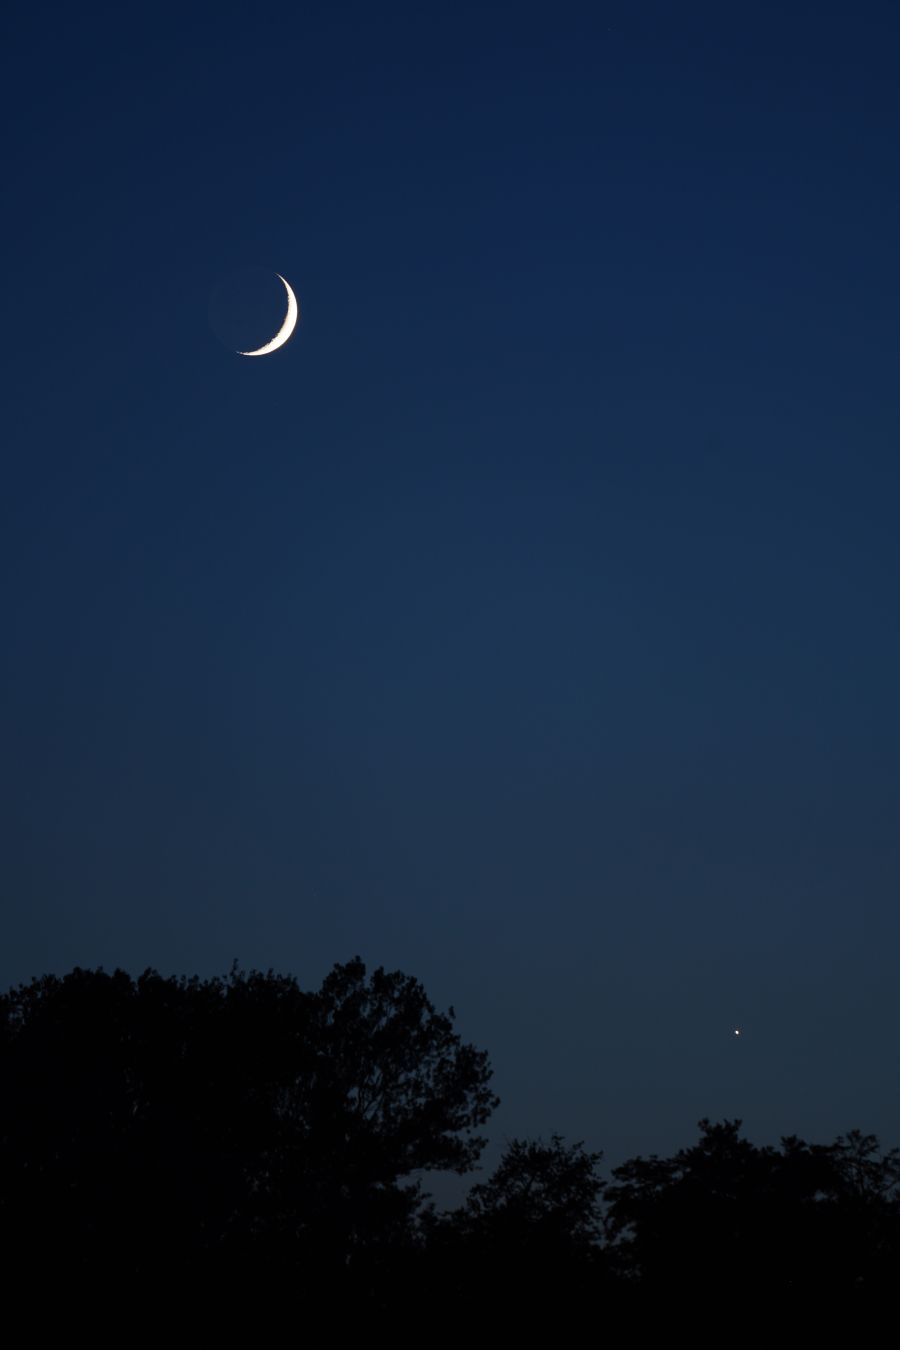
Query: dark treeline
{"x": 241, "y": 1133}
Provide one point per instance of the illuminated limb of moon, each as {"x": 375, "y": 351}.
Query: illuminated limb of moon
{"x": 284, "y": 332}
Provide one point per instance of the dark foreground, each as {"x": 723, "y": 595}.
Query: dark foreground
{"x": 242, "y": 1147}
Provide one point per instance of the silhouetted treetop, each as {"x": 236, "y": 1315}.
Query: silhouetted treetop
{"x": 727, "y": 1214}
{"x": 239, "y": 1109}
{"x": 399, "y": 1070}
{"x": 156, "y": 1131}
{"x": 539, "y": 1192}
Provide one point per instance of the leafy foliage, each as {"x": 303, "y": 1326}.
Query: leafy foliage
{"x": 182, "y": 1121}
{"x": 541, "y": 1194}
{"x": 247, "y": 1130}
{"x": 727, "y": 1215}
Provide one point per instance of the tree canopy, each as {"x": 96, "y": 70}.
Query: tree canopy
{"x": 243, "y": 1128}
{"x": 725, "y": 1215}
{"x": 542, "y": 1196}
{"x": 180, "y": 1119}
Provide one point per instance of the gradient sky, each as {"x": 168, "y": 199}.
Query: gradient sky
{"x": 530, "y": 622}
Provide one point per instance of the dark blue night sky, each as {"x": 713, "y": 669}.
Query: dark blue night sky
{"x": 530, "y": 622}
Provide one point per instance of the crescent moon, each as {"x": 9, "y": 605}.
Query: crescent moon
{"x": 284, "y": 332}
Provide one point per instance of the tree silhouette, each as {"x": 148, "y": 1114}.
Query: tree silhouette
{"x": 541, "y": 1195}
{"x": 533, "y": 1226}
{"x": 864, "y": 1214}
{"x": 726, "y": 1219}
{"x": 167, "y": 1132}
{"x": 238, "y": 1122}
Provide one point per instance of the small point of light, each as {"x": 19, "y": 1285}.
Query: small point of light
{"x": 737, "y": 1031}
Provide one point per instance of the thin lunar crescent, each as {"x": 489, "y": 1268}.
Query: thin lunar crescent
{"x": 284, "y": 332}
